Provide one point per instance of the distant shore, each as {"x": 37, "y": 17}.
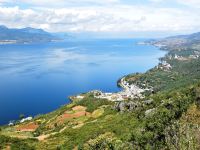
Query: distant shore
{"x": 128, "y": 91}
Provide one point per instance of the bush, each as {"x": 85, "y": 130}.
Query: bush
{"x": 93, "y": 103}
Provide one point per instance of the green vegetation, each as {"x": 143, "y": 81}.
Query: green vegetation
{"x": 166, "y": 118}
{"x": 92, "y": 103}
{"x": 15, "y": 144}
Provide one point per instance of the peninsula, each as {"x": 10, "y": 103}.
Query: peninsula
{"x": 159, "y": 109}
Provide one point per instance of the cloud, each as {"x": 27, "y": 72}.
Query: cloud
{"x": 3, "y": 1}
{"x": 104, "y": 17}
{"x": 59, "y": 3}
{"x": 100, "y": 19}
{"x": 191, "y": 3}
{"x": 157, "y": 1}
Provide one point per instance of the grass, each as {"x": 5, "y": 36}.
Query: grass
{"x": 174, "y": 95}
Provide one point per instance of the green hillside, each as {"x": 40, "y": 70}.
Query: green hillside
{"x": 167, "y": 116}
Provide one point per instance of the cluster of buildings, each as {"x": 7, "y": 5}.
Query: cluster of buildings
{"x": 194, "y": 56}
{"x": 129, "y": 91}
{"x": 164, "y": 66}
{"x": 11, "y": 123}
{"x": 167, "y": 67}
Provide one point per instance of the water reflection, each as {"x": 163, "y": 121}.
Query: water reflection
{"x": 38, "y": 78}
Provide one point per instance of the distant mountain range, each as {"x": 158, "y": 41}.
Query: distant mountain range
{"x": 180, "y": 41}
{"x": 25, "y": 35}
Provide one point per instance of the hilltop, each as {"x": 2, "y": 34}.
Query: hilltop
{"x": 178, "y": 42}
{"x": 158, "y": 109}
{"x": 24, "y": 35}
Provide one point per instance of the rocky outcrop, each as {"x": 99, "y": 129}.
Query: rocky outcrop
{"x": 126, "y": 106}
{"x": 150, "y": 112}
{"x": 148, "y": 102}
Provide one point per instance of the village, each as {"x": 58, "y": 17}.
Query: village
{"x": 129, "y": 92}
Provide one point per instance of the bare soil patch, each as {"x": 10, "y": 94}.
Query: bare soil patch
{"x": 31, "y": 127}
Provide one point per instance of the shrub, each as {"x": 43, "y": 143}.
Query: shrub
{"x": 93, "y": 103}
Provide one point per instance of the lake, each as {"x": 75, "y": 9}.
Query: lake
{"x": 38, "y": 78}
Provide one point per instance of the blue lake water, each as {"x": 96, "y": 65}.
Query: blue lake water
{"x": 38, "y": 78}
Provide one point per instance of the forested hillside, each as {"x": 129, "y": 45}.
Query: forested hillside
{"x": 165, "y": 117}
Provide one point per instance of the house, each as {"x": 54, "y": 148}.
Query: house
{"x": 26, "y": 119}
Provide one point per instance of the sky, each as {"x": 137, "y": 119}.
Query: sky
{"x": 121, "y": 18}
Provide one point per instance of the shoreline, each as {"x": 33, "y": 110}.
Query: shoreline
{"x": 92, "y": 118}
{"x": 127, "y": 91}
{"x": 121, "y": 95}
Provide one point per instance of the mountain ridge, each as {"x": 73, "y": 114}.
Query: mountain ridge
{"x": 178, "y": 42}
{"x": 24, "y": 35}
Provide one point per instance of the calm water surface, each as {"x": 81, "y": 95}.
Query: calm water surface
{"x": 38, "y": 78}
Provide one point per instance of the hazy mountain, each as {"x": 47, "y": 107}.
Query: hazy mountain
{"x": 24, "y": 35}
{"x": 175, "y": 42}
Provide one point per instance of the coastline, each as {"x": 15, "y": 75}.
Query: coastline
{"x": 93, "y": 113}
{"x": 127, "y": 91}
{"x": 119, "y": 96}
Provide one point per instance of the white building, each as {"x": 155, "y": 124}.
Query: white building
{"x": 26, "y": 119}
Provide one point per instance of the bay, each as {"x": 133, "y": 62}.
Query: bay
{"x": 38, "y": 78}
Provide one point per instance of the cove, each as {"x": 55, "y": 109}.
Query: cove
{"x": 38, "y": 78}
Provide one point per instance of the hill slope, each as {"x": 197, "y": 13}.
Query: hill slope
{"x": 165, "y": 115}
{"x": 179, "y": 42}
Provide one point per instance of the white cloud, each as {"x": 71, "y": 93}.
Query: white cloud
{"x": 157, "y": 1}
{"x": 60, "y": 3}
{"x": 101, "y": 18}
{"x": 3, "y": 1}
{"x": 191, "y": 3}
